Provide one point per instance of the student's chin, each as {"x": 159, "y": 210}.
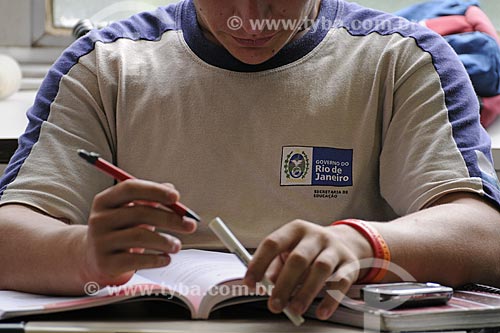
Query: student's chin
{"x": 253, "y": 58}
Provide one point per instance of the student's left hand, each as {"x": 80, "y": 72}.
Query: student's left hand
{"x": 300, "y": 257}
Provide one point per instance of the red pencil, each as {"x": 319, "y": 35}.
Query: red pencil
{"x": 120, "y": 175}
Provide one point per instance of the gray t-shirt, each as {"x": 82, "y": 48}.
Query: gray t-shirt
{"x": 366, "y": 116}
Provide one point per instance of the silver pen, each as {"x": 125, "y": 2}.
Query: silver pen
{"x": 233, "y": 244}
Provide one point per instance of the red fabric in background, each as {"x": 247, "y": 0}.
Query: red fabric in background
{"x": 480, "y": 21}
{"x": 449, "y": 25}
{"x": 490, "y": 110}
{"x": 473, "y": 20}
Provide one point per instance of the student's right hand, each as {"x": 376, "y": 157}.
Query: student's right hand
{"x": 119, "y": 231}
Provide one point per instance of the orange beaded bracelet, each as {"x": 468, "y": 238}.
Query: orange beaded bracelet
{"x": 381, "y": 251}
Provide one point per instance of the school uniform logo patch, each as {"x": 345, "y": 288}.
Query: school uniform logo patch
{"x": 296, "y": 166}
{"x": 316, "y": 166}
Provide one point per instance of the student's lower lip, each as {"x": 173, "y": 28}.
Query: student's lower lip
{"x": 253, "y": 42}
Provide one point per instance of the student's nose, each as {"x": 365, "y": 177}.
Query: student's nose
{"x": 253, "y": 13}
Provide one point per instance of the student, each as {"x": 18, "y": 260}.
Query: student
{"x": 279, "y": 130}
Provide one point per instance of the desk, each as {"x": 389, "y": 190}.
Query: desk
{"x": 189, "y": 326}
{"x": 164, "y": 318}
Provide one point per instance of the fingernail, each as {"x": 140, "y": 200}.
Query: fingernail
{"x": 189, "y": 224}
{"x": 276, "y": 305}
{"x": 176, "y": 247}
{"x": 165, "y": 260}
{"x": 323, "y": 313}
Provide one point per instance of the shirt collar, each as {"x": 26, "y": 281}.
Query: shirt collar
{"x": 218, "y": 56}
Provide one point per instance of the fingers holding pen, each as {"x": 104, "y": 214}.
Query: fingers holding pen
{"x": 123, "y": 225}
{"x": 301, "y": 258}
{"x": 133, "y": 190}
{"x": 123, "y": 230}
{"x": 132, "y": 202}
{"x": 134, "y": 215}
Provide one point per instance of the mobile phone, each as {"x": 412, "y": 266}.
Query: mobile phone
{"x": 405, "y": 294}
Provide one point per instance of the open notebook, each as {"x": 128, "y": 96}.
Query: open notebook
{"x": 204, "y": 281}
{"x": 201, "y": 281}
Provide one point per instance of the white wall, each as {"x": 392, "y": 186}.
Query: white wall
{"x": 15, "y": 25}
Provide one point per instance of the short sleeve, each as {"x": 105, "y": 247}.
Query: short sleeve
{"x": 434, "y": 143}
{"x": 75, "y": 108}
{"x": 68, "y": 114}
